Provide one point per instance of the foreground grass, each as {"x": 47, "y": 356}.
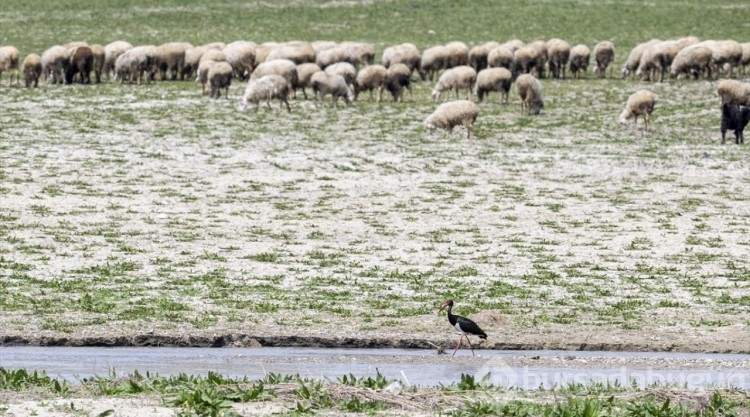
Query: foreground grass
{"x": 215, "y": 395}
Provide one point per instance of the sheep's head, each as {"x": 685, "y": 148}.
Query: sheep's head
{"x": 625, "y": 72}
{"x": 536, "y": 107}
{"x": 435, "y": 95}
{"x": 625, "y": 117}
{"x": 429, "y": 124}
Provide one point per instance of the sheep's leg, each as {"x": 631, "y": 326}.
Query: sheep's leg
{"x": 380, "y": 94}
{"x": 289, "y": 109}
{"x": 646, "y": 120}
{"x": 723, "y": 134}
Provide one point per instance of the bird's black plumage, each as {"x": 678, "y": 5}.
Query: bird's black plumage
{"x": 463, "y": 325}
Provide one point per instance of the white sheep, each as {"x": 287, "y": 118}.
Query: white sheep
{"x": 193, "y": 56}
{"x": 634, "y": 58}
{"x": 344, "y": 69}
{"x": 479, "y": 55}
{"x": 55, "y": 63}
{"x": 361, "y": 54}
{"x": 501, "y": 56}
{"x": 405, "y": 53}
{"x": 298, "y": 52}
{"x": 9, "y": 63}
{"x": 219, "y": 76}
{"x": 659, "y": 56}
{"x": 604, "y": 55}
{"x": 304, "y": 75}
{"x": 725, "y": 54}
{"x": 528, "y": 60}
{"x": 530, "y": 92}
{"x": 112, "y": 51}
{"x": 451, "y": 114}
{"x": 266, "y": 88}
{"x": 398, "y": 78}
{"x": 333, "y": 55}
{"x": 694, "y": 60}
{"x": 455, "y": 79}
{"x": 434, "y": 60}
{"x": 733, "y": 92}
{"x": 241, "y": 56}
{"x": 640, "y": 103}
{"x": 32, "y": 69}
{"x": 170, "y": 59}
{"x": 136, "y": 62}
{"x": 580, "y": 55}
{"x": 493, "y": 79}
{"x": 745, "y": 61}
{"x": 283, "y": 67}
{"x": 98, "y": 54}
{"x": 458, "y": 54}
{"x": 559, "y": 54}
{"x": 324, "y": 83}
{"x": 369, "y": 78}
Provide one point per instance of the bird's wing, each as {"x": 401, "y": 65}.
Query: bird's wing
{"x": 470, "y": 327}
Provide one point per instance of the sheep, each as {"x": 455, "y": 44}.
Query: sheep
{"x": 745, "y": 61}
{"x": 219, "y": 76}
{"x": 479, "y": 55}
{"x": 398, "y": 78}
{"x": 283, "y": 67}
{"x": 97, "y": 52}
{"x": 267, "y": 87}
{"x": 542, "y": 56}
{"x": 81, "y": 62}
{"x": 241, "y": 56}
{"x": 136, "y": 62}
{"x": 559, "y": 54}
{"x": 527, "y": 60}
{"x": 9, "y": 63}
{"x": 604, "y": 55}
{"x": 501, "y": 56}
{"x": 333, "y": 55}
{"x": 324, "y": 83}
{"x": 493, "y": 79}
{"x": 212, "y": 55}
{"x": 193, "y": 56}
{"x": 454, "y": 79}
{"x": 735, "y": 118}
{"x": 580, "y": 56}
{"x": 725, "y": 54}
{"x": 55, "y": 62}
{"x": 297, "y": 52}
{"x": 640, "y": 103}
{"x": 370, "y": 78}
{"x": 344, "y": 69}
{"x": 361, "y": 54}
{"x": 451, "y": 114}
{"x": 693, "y": 60}
{"x": 733, "y": 92}
{"x": 458, "y": 54}
{"x": 433, "y": 60}
{"x": 32, "y": 70}
{"x": 304, "y": 74}
{"x": 405, "y": 53}
{"x": 634, "y": 58}
{"x": 513, "y": 44}
{"x": 530, "y": 92}
{"x": 170, "y": 59}
{"x": 659, "y": 56}
{"x": 112, "y": 51}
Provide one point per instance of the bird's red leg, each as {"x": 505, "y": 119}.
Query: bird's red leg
{"x": 470, "y": 346}
{"x": 460, "y": 339}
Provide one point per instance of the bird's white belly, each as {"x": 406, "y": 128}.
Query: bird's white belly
{"x": 458, "y": 327}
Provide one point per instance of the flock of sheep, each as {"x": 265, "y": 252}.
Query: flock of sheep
{"x": 345, "y": 70}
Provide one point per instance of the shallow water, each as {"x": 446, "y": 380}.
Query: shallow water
{"x": 411, "y": 367}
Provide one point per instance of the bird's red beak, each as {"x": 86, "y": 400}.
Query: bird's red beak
{"x": 443, "y": 307}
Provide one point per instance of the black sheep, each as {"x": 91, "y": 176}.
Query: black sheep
{"x": 735, "y": 118}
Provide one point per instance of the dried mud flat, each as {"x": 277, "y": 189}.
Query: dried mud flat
{"x": 152, "y": 216}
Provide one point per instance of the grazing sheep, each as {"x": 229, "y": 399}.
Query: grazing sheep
{"x": 9, "y": 63}
{"x": 135, "y": 63}
{"x": 296, "y": 51}
{"x": 212, "y": 55}
{"x": 193, "y": 56}
{"x": 333, "y": 55}
{"x": 451, "y": 114}
{"x": 455, "y": 79}
{"x": 658, "y": 58}
{"x": 580, "y": 55}
{"x": 478, "y": 57}
{"x": 694, "y": 60}
{"x": 405, "y": 53}
{"x": 32, "y": 69}
{"x": 324, "y": 83}
{"x": 604, "y": 55}
{"x": 370, "y": 78}
{"x": 735, "y": 118}
{"x": 501, "y": 56}
{"x": 528, "y": 60}
{"x": 55, "y": 62}
{"x": 745, "y": 61}
{"x": 361, "y": 54}
{"x": 434, "y": 60}
{"x": 398, "y": 78}
{"x": 344, "y": 69}
{"x": 112, "y": 51}
{"x": 283, "y": 67}
{"x": 725, "y": 55}
{"x": 262, "y": 51}
{"x": 559, "y": 54}
{"x": 97, "y": 52}
{"x": 458, "y": 54}
{"x": 267, "y": 87}
{"x": 542, "y": 56}
{"x": 494, "y": 79}
{"x": 241, "y": 56}
{"x": 81, "y": 63}
{"x": 733, "y": 92}
{"x": 219, "y": 76}
{"x": 513, "y": 44}
{"x": 634, "y": 58}
{"x": 530, "y": 92}
{"x": 170, "y": 59}
{"x": 640, "y": 103}
{"x": 304, "y": 76}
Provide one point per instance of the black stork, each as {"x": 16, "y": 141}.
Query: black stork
{"x": 464, "y": 326}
